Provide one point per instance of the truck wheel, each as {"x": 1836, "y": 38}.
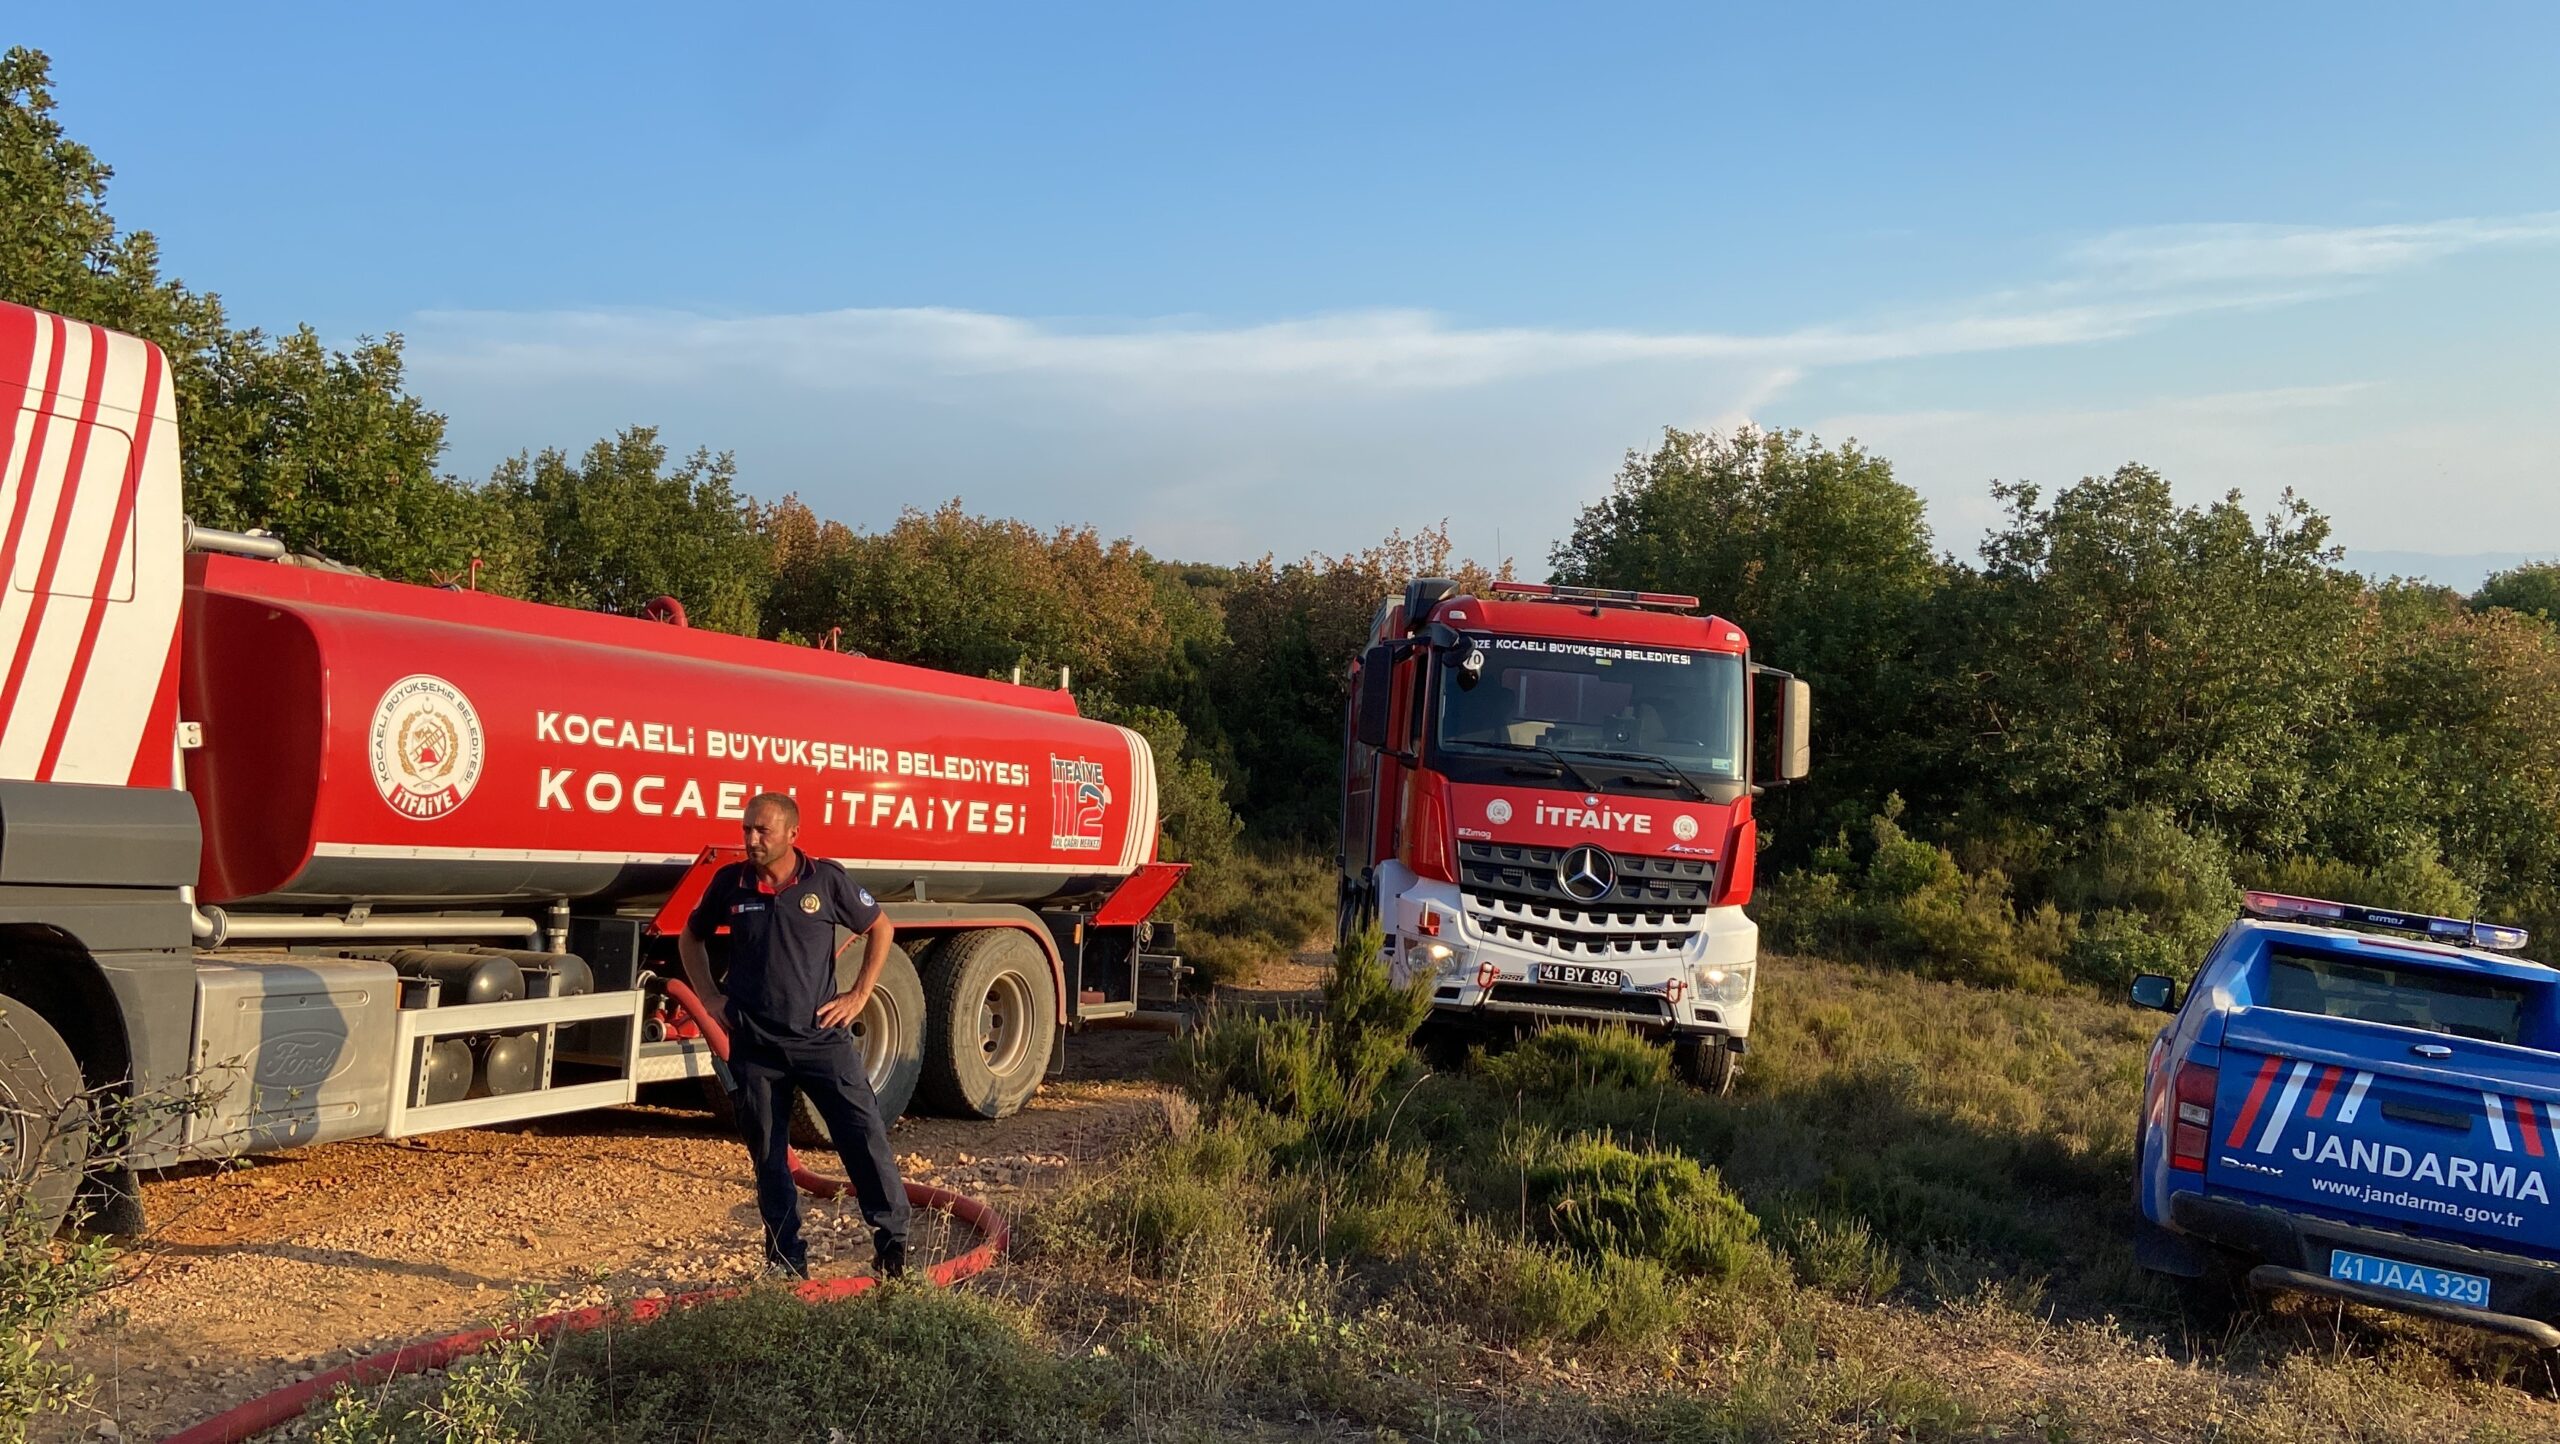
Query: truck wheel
{"x": 1707, "y": 1064}
{"x": 44, "y": 1117}
{"x": 994, "y": 1021}
{"x": 896, "y": 1013}
{"x": 891, "y": 1032}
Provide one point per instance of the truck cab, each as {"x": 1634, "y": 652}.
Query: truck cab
{"x": 1546, "y": 808}
{"x": 2360, "y": 1104}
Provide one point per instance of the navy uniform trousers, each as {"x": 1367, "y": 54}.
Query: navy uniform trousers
{"x": 768, "y": 1076}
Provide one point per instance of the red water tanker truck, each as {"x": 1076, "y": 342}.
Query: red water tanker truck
{"x": 291, "y": 854}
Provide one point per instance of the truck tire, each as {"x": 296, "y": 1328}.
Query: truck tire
{"x": 1707, "y": 1064}
{"x": 44, "y": 1117}
{"x": 896, "y": 1012}
{"x": 994, "y": 1022}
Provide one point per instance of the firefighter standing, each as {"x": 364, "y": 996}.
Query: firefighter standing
{"x": 789, "y": 1029}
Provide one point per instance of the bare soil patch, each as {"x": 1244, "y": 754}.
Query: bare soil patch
{"x": 258, "y": 1275}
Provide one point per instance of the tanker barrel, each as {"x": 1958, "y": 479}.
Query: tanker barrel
{"x": 449, "y": 1070}
{"x": 462, "y": 977}
{"x": 509, "y": 1063}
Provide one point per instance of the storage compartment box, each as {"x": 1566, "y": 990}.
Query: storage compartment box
{"x": 292, "y": 1050}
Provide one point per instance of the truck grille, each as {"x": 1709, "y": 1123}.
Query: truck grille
{"x": 1515, "y": 893}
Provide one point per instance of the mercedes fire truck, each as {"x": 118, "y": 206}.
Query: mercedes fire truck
{"x": 291, "y": 854}
{"x": 1546, "y": 808}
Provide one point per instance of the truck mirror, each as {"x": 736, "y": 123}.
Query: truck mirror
{"x": 1376, "y": 702}
{"x": 2156, "y": 992}
{"x": 1795, "y": 730}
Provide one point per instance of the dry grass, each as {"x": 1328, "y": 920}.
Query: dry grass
{"x": 1919, "y": 1200}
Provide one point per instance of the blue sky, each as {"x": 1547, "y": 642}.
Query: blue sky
{"x": 1238, "y": 280}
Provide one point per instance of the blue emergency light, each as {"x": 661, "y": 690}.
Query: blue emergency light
{"x": 2283, "y": 907}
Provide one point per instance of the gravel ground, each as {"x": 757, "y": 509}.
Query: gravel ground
{"x": 266, "y": 1273}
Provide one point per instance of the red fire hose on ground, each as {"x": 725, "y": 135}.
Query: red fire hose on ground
{"x": 271, "y": 1411}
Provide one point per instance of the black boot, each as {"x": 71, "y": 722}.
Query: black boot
{"x": 889, "y": 1257}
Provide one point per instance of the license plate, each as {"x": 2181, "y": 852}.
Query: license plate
{"x": 2409, "y": 1278}
{"x": 1575, "y": 975}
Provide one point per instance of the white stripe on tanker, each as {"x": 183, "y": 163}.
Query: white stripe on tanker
{"x": 123, "y": 680}
{"x": 39, "y": 696}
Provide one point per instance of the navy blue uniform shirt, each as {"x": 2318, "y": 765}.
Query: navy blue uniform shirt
{"x": 782, "y": 942}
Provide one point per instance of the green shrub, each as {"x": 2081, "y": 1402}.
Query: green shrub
{"x": 1512, "y": 1292}
{"x": 1912, "y": 905}
{"x": 43, "y": 1284}
{"x": 1843, "y": 1256}
{"x": 902, "y": 1364}
{"x": 2142, "y": 861}
{"x": 1387, "y": 1203}
{"x": 1325, "y": 1072}
{"x": 1591, "y": 1195}
{"x": 1253, "y": 905}
{"x": 1165, "y": 1202}
{"x": 1556, "y": 1062}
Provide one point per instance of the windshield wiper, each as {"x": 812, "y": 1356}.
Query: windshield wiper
{"x": 1559, "y": 764}
{"x": 1671, "y": 772}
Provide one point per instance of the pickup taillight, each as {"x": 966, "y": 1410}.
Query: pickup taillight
{"x": 2191, "y": 1125}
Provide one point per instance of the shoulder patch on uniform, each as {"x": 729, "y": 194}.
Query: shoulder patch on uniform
{"x": 864, "y": 893}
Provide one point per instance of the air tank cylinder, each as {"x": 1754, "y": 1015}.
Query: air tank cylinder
{"x": 570, "y": 975}
{"x": 509, "y": 1063}
{"x": 449, "y": 1070}
{"x": 461, "y": 977}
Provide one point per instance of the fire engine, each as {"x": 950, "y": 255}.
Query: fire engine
{"x": 309, "y": 855}
{"x": 1546, "y": 808}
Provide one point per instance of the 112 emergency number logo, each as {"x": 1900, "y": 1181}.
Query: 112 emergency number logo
{"x": 426, "y": 747}
{"x": 1078, "y": 793}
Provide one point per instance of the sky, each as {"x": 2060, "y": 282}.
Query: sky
{"x": 1235, "y": 280}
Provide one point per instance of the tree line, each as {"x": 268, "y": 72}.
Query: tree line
{"x": 2056, "y": 758}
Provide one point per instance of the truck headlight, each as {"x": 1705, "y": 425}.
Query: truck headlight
{"x": 1724, "y": 984}
{"x": 1435, "y": 953}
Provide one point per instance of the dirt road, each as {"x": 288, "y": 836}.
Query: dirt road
{"x": 292, "y": 1264}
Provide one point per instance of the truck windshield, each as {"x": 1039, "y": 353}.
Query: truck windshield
{"x": 2411, "y": 997}
{"x": 1685, "y": 708}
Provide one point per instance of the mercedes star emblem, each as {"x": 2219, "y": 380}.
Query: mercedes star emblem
{"x": 1587, "y": 874}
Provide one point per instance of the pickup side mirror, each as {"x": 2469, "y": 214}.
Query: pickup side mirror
{"x": 2156, "y": 992}
{"x": 1795, "y": 730}
{"x": 1375, "y": 705}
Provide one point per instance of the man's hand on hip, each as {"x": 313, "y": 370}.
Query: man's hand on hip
{"x": 840, "y": 1010}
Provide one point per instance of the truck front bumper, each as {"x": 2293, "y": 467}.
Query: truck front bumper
{"x": 1698, "y": 984}
{"x": 2291, "y": 1251}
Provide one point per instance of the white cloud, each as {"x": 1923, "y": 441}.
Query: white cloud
{"x": 2212, "y": 255}
{"x": 2386, "y": 476}
{"x": 1219, "y": 439}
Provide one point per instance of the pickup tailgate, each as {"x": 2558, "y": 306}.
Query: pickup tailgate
{"x": 2441, "y": 1135}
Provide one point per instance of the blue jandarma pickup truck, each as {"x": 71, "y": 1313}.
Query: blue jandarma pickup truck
{"x": 2361, "y": 1104}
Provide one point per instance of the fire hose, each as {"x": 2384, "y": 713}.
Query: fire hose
{"x": 270, "y": 1411}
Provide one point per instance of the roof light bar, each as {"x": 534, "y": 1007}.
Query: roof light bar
{"x": 2284, "y": 907}
{"x": 1603, "y": 596}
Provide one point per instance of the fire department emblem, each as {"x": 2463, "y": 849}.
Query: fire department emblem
{"x": 1685, "y": 828}
{"x": 808, "y": 902}
{"x": 426, "y": 747}
{"x": 1498, "y": 811}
